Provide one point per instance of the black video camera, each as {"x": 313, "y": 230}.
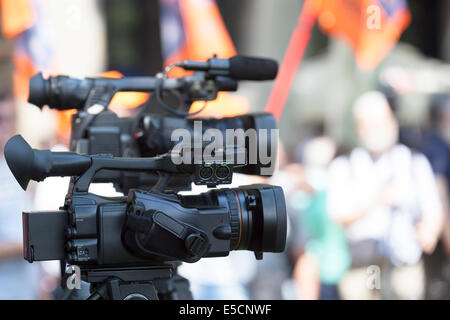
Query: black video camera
{"x": 156, "y": 226}
{"x": 126, "y": 245}
{"x": 149, "y": 133}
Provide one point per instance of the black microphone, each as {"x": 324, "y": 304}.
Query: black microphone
{"x": 237, "y": 67}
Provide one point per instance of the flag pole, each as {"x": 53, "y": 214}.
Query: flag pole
{"x": 292, "y": 58}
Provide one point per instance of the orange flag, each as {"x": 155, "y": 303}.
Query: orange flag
{"x": 194, "y": 29}
{"x": 371, "y": 27}
{"x": 17, "y": 16}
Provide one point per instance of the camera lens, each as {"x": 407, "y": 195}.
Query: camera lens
{"x": 258, "y": 218}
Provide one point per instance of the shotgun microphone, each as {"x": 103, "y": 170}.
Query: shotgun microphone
{"x": 237, "y": 67}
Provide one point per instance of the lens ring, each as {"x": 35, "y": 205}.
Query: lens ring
{"x": 240, "y": 220}
{"x": 235, "y": 218}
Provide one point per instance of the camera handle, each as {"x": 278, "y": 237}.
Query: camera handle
{"x": 107, "y": 161}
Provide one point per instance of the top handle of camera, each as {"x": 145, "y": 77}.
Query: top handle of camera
{"x": 31, "y": 164}
{"x": 211, "y": 76}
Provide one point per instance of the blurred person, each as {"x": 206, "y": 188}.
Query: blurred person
{"x": 436, "y": 146}
{"x": 18, "y": 278}
{"x": 324, "y": 258}
{"x": 385, "y": 196}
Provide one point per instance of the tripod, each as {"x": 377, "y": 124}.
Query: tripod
{"x": 155, "y": 282}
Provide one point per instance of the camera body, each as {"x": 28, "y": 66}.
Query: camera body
{"x": 152, "y": 227}
{"x": 146, "y": 226}
{"x": 151, "y": 135}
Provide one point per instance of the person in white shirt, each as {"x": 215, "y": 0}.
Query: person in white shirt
{"x": 386, "y": 197}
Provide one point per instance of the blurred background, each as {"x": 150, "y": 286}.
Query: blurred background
{"x": 365, "y": 132}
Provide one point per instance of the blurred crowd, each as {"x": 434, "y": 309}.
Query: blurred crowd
{"x": 369, "y": 222}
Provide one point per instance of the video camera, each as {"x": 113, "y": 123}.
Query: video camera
{"x": 148, "y": 133}
{"x": 128, "y": 246}
{"x": 158, "y": 226}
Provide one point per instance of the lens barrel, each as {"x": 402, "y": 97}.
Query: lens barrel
{"x": 256, "y": 130}
{"x": 258, "y": 217}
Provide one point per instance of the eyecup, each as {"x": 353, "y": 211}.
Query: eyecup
{"x": 20, "y": 158}
{"x": 38, "y": 94}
